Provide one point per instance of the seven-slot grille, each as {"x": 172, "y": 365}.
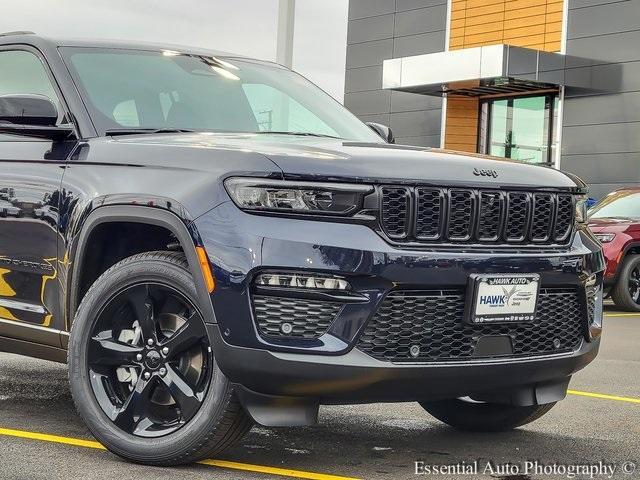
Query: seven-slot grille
{"x": 428, "y": 326}
{"x": 461, "y": 215}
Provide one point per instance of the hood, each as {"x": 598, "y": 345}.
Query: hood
{"x": 614, "y": 225}
{"x": 337, "y": 160}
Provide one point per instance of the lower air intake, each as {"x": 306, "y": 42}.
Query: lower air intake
{"x": 428, "y": 326}
{"x": 293, "y": 317}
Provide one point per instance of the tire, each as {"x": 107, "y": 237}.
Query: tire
{"x": 620, "y": 293}
{"x": 484, "y": 417}
{"x": 219, "y": 420}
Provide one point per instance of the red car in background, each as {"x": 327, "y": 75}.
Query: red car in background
{"x": 615, "y": 220}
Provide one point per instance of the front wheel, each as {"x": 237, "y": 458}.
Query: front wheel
{"x": 474, "y": 416}
{"x": 142, "y": 369}
{"x": 626, "y": 292}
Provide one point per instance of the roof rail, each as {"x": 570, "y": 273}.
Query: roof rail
{"x": 18, "y": 32}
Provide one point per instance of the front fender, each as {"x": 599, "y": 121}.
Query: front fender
{"x": 182, "y": 227}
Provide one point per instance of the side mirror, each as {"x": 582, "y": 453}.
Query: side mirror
{"x": 32, "y": 116}
{"x": 382, "y": 130}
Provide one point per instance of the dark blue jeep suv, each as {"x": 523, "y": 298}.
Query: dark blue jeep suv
{"x": 211, "y": 241}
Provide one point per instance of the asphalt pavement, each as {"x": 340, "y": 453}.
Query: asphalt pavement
{"x": 41, "y": 437}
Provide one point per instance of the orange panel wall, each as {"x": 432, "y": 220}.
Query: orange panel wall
{"x": 461, "y": 129}
{"x": 533, "y": 24}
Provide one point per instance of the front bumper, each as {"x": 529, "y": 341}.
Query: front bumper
{"x": 330, "y": 368}
{"x": 356, "y": 377}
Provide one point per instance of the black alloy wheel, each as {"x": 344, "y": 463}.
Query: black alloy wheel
{"x": 149, "y": 360}
{"x": 142, "y": 371}
{"x": 634, "y": 284}
{"x": 626, "y": 292}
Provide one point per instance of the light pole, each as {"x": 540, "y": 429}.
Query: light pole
{"x": 286, "y": 23}
{"x": 284, "y": 56}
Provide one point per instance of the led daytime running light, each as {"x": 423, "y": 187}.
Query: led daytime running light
{"x": 301, "y": 281}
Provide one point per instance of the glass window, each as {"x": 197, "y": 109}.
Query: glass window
{"x": 522, "y": 128}
{"x": 126, "y": 113}
{"x": 23, "y": 73}
{"x": 167, "y": 90}
{"x": 276, "y": 111}
{"x": 618, "y": 204}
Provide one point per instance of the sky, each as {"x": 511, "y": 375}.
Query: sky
{"x": 246, "y": 27}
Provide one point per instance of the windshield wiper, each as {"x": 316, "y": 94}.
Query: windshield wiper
{"x": 139, "y": 131}
{"x": 299, "y": 134}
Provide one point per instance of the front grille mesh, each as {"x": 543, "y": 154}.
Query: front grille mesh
{"x": 591, "y": 308}
{"x": 395, "y": 211}
{"x": 442, "y": 215}
{"x": 564, "y": 218}
{"x": 308, "y": 319}
{"x": 542, "y": 216}
{"x": 431, "y": 323}
{"x": 430, "y": 203}
{"x": 490, "y": 217}
{"x": 518, "y": 218}
{"x": 461, "y": 215}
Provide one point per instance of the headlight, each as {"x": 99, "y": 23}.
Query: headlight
{"x": 296, "y": 197}
{"x": 581, "y": 209}
{"x": 605, "y": 237}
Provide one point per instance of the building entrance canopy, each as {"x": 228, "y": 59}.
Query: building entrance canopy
{"x": 491, "y": 70}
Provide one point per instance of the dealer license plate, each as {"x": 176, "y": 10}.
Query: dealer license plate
{"x": 502, "y": 298}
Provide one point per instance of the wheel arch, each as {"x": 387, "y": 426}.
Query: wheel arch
{"x": 619, "y": 291}
{"x": 185, "y": 233}
{"x": 632, "y": 247}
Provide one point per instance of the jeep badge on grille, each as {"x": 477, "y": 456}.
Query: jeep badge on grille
{"x": 484, "y": 172}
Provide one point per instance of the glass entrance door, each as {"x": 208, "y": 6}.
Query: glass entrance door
{"x": 521, "y": 128}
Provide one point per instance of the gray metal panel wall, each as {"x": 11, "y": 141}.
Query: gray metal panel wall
{"x": 382, "y": 29}
{"x": 601, "y": 132}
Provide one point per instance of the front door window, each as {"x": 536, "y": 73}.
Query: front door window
{"x": 24, "y": 73}
{"x": 521, "y": 128}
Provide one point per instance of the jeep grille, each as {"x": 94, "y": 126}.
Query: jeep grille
{"x": 460, "y": 215}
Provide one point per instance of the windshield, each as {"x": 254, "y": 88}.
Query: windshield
{"x": 163, "y": 90}
{"x": 621, "y": 204}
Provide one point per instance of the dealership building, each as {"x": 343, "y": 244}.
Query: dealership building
{"x": 550, "y": 82}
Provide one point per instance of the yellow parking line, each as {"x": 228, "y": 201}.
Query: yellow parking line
{"x": 78, "y": 442}
{"x": 604, "y": 397}
{"x": 283, "y": 472}
{"x": 622, "y": 314}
